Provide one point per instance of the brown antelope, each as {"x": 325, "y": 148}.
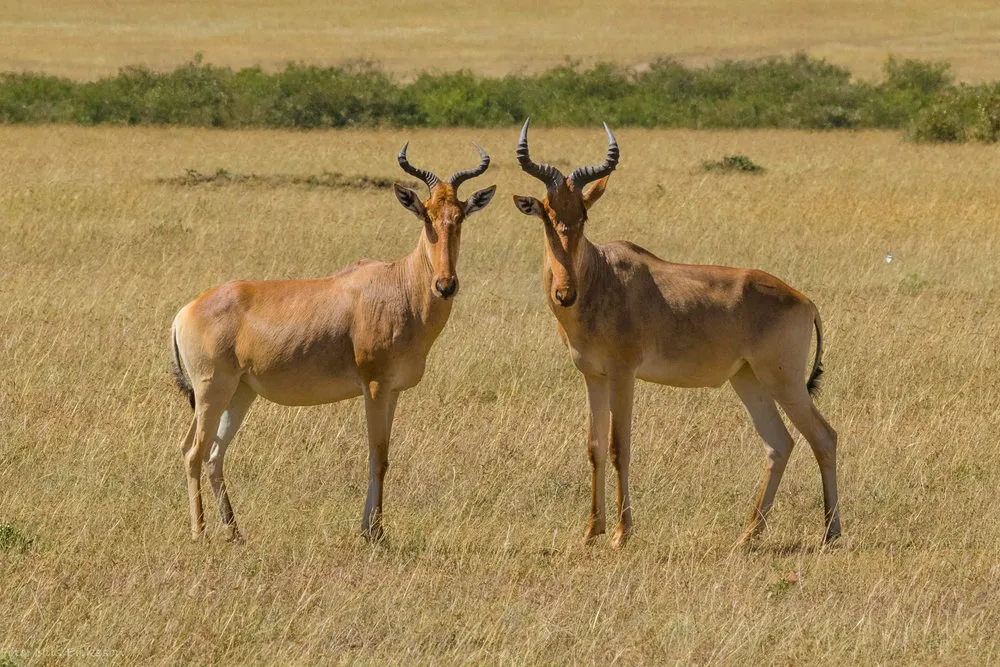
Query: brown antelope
{"x": 363, "y": 331}
{"x": 625, "y": 314}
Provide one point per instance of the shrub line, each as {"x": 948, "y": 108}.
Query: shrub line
{"x": 796, "y": 92}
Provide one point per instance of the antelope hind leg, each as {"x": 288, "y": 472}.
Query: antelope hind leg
{"x": 766, "y": 419}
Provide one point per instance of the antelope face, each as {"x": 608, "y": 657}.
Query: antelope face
{"x": 442, "y": 216}
{"x": 564, "y": 212}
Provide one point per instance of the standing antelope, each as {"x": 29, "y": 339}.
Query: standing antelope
{"x": 625, "y": 313}
{"x": 363, "y": 331}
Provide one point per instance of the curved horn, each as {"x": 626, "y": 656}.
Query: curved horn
{"x": 584, "y": 175}
{"x": 427, "y": 177}
{"x": 460, "y": 177}
{"x": 547, "y": 174}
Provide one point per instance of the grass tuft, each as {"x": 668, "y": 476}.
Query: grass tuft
{"x": 733, "y": 163}
{"x": 14, "y": 540}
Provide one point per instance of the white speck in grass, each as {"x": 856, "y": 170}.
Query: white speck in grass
{"x": 888, "y": 257}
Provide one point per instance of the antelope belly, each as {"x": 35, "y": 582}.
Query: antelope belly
{"x": 688, "y": 373}
{"x": 304, "y": 389}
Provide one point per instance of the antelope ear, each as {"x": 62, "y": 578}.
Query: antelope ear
{"x": 528, "y": 205}
{"x": 410, "y": 201}
{"x": 594, "y": 192}
{"x": 480, "y": 199}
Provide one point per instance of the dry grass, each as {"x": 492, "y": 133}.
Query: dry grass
{"x": 84, "y": 38}
{"x": 489, "y": 486}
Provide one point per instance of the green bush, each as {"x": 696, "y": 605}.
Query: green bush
{"x": 733, "y": 163}
{"x": 947, "y": 119}
{"x": 796, "y": 92}
{"x": 35, "y": 98}
{"x": 13, "y": 540}
{"x": 986, "y": 127}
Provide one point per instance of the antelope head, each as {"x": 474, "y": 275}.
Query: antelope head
{"x": 564, "y": 212}
{"x": 442, "y": 215}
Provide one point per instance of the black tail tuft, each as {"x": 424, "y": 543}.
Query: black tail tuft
{"x": 182, "y": 382}
{"x": 814, "y": 378}
{"x": 812, "y": 385}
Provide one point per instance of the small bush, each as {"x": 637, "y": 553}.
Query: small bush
{"x": 733, "y": 163}
{"x": 946, "y": 120}
{"x": 913, "y": 285}
{"x": 13, "y": 540}
{"x": 986, "y": 127}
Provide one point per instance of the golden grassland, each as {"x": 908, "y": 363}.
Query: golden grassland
{"x": 488, "y": 489}
{"x": 84, "y": 39}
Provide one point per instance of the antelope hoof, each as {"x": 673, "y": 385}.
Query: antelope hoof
{"x": 832, "y": 534}
{"x": 373, "y": 535}
{"x": 622, "y": 533}
{"x": 751, "y": 534}
{"x": 233, "y": 535}
{"x": 592, "y": 533}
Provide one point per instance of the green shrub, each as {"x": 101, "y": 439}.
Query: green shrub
{"x": 796, "y": 92}
{"x": 947, "y": 119}
{"x": 13, "y": 540}
{"x": 35, "y": 98}
{"x": 986, "y": 127}
{"x": 736, "y": 163}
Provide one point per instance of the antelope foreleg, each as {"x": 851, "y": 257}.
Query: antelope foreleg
{"x": 598, "y": 423}
{"x": 621, "y": 443}
{"x": 380, "y": 406}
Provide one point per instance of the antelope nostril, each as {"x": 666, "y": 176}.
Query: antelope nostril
{"x": 566, "y": 297}
{"x": 446, "y": 287}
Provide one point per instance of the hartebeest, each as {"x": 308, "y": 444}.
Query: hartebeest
{"x": 625, "y": 314}
{"x": 366, "y": 331}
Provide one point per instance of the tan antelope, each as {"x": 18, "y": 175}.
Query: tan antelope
{"x": 364, "y": 331}
{"x": 625, "y": 314}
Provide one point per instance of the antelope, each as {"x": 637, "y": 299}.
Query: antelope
{"x": 624, "y": 313}
{"x": 365, "y": 331}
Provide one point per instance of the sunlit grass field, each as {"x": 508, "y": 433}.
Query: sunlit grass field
{"x": 84, "y": 39}
{"x": 488, "y": 490}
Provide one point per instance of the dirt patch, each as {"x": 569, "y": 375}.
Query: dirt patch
{"x": 328, "y": 179}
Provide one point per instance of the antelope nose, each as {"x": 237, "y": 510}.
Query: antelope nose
{"x": 566, "y": 296}
{"x": 446, "y": 286}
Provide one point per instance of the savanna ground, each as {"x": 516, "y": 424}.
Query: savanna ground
{"x": 488, "y": 489}
{"x": 86, "y": 38}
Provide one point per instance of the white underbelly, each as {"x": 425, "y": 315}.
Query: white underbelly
{"x": 684, "y": 373}
{"x": 304, "y": 391}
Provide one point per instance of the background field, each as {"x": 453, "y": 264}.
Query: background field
{"x": 487, "y": 494}
{"x": 86, "y": 38}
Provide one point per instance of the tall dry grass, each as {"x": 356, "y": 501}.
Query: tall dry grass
{"x": 84, "y": 39}
{"x": 487, "y": 494}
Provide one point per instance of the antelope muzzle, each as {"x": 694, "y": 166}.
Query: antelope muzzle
{"x": 446, "y": 286}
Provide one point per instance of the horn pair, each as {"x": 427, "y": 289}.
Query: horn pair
{"x": 455, "y": 179}
{"x": 547, "y": 174}
{"x": 553, "y": 178}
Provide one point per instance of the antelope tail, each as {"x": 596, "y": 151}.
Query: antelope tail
{"x": 182, "y": 382}
{"x": 812, "y": 385}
